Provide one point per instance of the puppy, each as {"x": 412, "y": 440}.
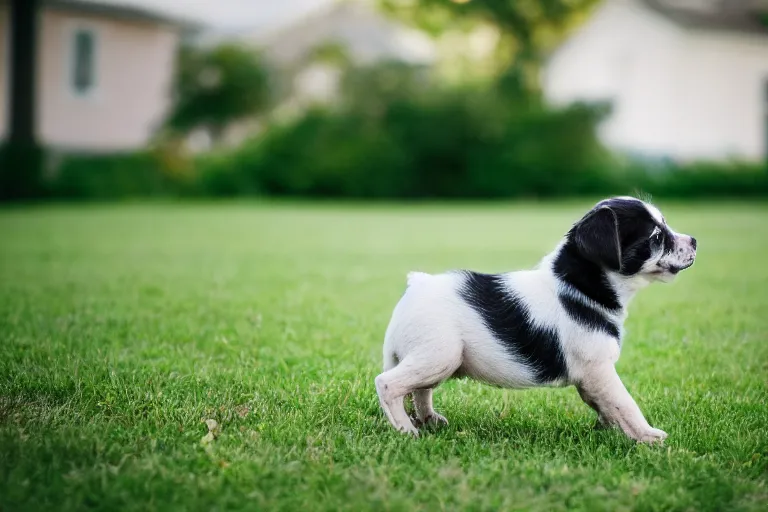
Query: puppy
{"x": 557, "y": 325}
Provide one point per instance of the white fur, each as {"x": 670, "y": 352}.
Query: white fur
{"x": 434, "y": 334}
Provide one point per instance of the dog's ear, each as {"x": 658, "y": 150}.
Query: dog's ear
{"x": 597, "y": 238}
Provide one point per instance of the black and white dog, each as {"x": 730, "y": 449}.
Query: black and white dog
{"x": 556, "y": 325}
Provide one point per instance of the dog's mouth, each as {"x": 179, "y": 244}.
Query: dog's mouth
{"x": 673, "y": 269}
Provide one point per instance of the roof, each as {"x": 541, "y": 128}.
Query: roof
{"x": 747, "y": 16}
{"x": 120, "y": 11}
{"x": 359, "y": 27}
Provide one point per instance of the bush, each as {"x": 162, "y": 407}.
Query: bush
{"x": 21, "y": 172}
{"x": 328, "y": 155}
{"x": 704, "y": 180}
{"x": 454, "y": 144}
{"x": 115, "y": 176}
{"x": 392, "y": 137}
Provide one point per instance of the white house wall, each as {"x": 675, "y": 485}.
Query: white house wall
{"x": 134, "y": 68}
{"x": 625, "y": 55}
{"x": 722, "y": 108}
{"x": 675, "y": 92}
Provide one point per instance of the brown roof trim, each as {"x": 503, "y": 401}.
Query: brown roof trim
{"x": 734, "y": 16}
{"x": 120, "y": 11}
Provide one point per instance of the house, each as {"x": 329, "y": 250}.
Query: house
{"x": 308, "y": 55}
{"x": 104, "y": 74}
{"x": 687, "y": 79}
{"x": 356, "y": 28}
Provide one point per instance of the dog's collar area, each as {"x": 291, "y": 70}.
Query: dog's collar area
{"x": 585, "y": 278}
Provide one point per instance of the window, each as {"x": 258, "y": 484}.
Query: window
{"x": 83, "y": 61}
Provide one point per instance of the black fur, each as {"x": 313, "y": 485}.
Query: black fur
{"x": 591, "y": 244}
{"x": 589, "y": 317}
{"x": 597, "y": 238}
{"x": 508, "y": 319}
{"x": 635, "y": 225}
{"x": 585, "y": 276}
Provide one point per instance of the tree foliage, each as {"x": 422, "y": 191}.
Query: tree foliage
{"x": 527, "y": 27}
{"x": 216, "y": 87}
{"x": 518, "y": 18}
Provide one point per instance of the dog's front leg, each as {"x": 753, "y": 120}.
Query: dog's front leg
{"x": 602, "y": 422}
{"x": 603, "y": 390}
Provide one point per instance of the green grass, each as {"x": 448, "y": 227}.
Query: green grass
{"x": 125, "y": 327}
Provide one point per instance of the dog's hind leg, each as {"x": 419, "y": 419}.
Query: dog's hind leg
{"x": 422, "y": 400}
{"x": 411, "y": 375}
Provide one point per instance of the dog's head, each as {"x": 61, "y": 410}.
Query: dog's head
{"x": 630, "y": 237}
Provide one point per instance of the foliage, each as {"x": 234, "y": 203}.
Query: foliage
{"x": 117, "y": 176}
{"x": 392, "y": 137}
{"x": 518, "y": 18}
{"x": 331, "y": 53}
{"x": 21, "y": 169}
{"x": 324, "y": 155}
{"x": 528, "y": 28}
{"x": 216, "y": 87}
{"x": 126, "y": 327}
{"x": 395, "y": 134}
{"x": 704, "y": 179}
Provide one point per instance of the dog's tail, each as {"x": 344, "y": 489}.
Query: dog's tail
{"x": 414, "y": 277}
{"x": 390, "y": 357}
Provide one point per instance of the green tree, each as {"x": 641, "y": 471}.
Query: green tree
{"x": 527, "y": 27}
{"x": 214, "y": 88}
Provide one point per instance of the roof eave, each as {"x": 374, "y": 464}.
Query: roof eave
{"x": 740, "y": 25}
{"x": 123, "y": 12}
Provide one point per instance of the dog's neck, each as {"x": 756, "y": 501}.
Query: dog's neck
{"x": 626, "y": 287}
{"x": 610, "y": 290}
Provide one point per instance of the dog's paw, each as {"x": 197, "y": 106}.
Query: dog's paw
{"x": 416, "y": 421}
{"x": 654, "y": 435}
{"x": 410, "y": 429}
{"x": 435, "y": 419}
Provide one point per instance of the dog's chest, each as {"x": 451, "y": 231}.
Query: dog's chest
{"x": 524, "y": 334}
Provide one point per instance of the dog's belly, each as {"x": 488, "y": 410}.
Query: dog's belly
{"x": 488, "y": 361}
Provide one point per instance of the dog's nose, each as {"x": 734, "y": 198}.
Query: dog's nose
{"x": 693, "y": 243}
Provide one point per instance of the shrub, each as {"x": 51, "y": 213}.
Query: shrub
{"x": 390, "y": 137}
{"x": 329, "y": 155}
{"x": 115, "y": 176}
{"x": 704, "y": 180}
{"x": 446, "y": 144}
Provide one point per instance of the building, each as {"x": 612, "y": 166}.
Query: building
{"x": 104, "y": 74}
{"x": 357, "y": 28}
{"x": 687, "y": 79}
{"x": 354, "y": 31}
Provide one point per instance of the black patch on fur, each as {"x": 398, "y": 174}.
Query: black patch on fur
{"x": 507, "y": 317}
{"x": 589, "y": 317}
{"x": 667, "y": 240}
{"x": 635, "y": 256}
{"x": 586, "y": 276}
{"x": 597, "y": 238}
{"x": 634, "y": 225}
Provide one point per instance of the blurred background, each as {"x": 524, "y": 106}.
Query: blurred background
{"x": 383, "y": 99}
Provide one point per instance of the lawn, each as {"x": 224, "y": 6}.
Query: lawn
{"x": 125, "y": 327}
